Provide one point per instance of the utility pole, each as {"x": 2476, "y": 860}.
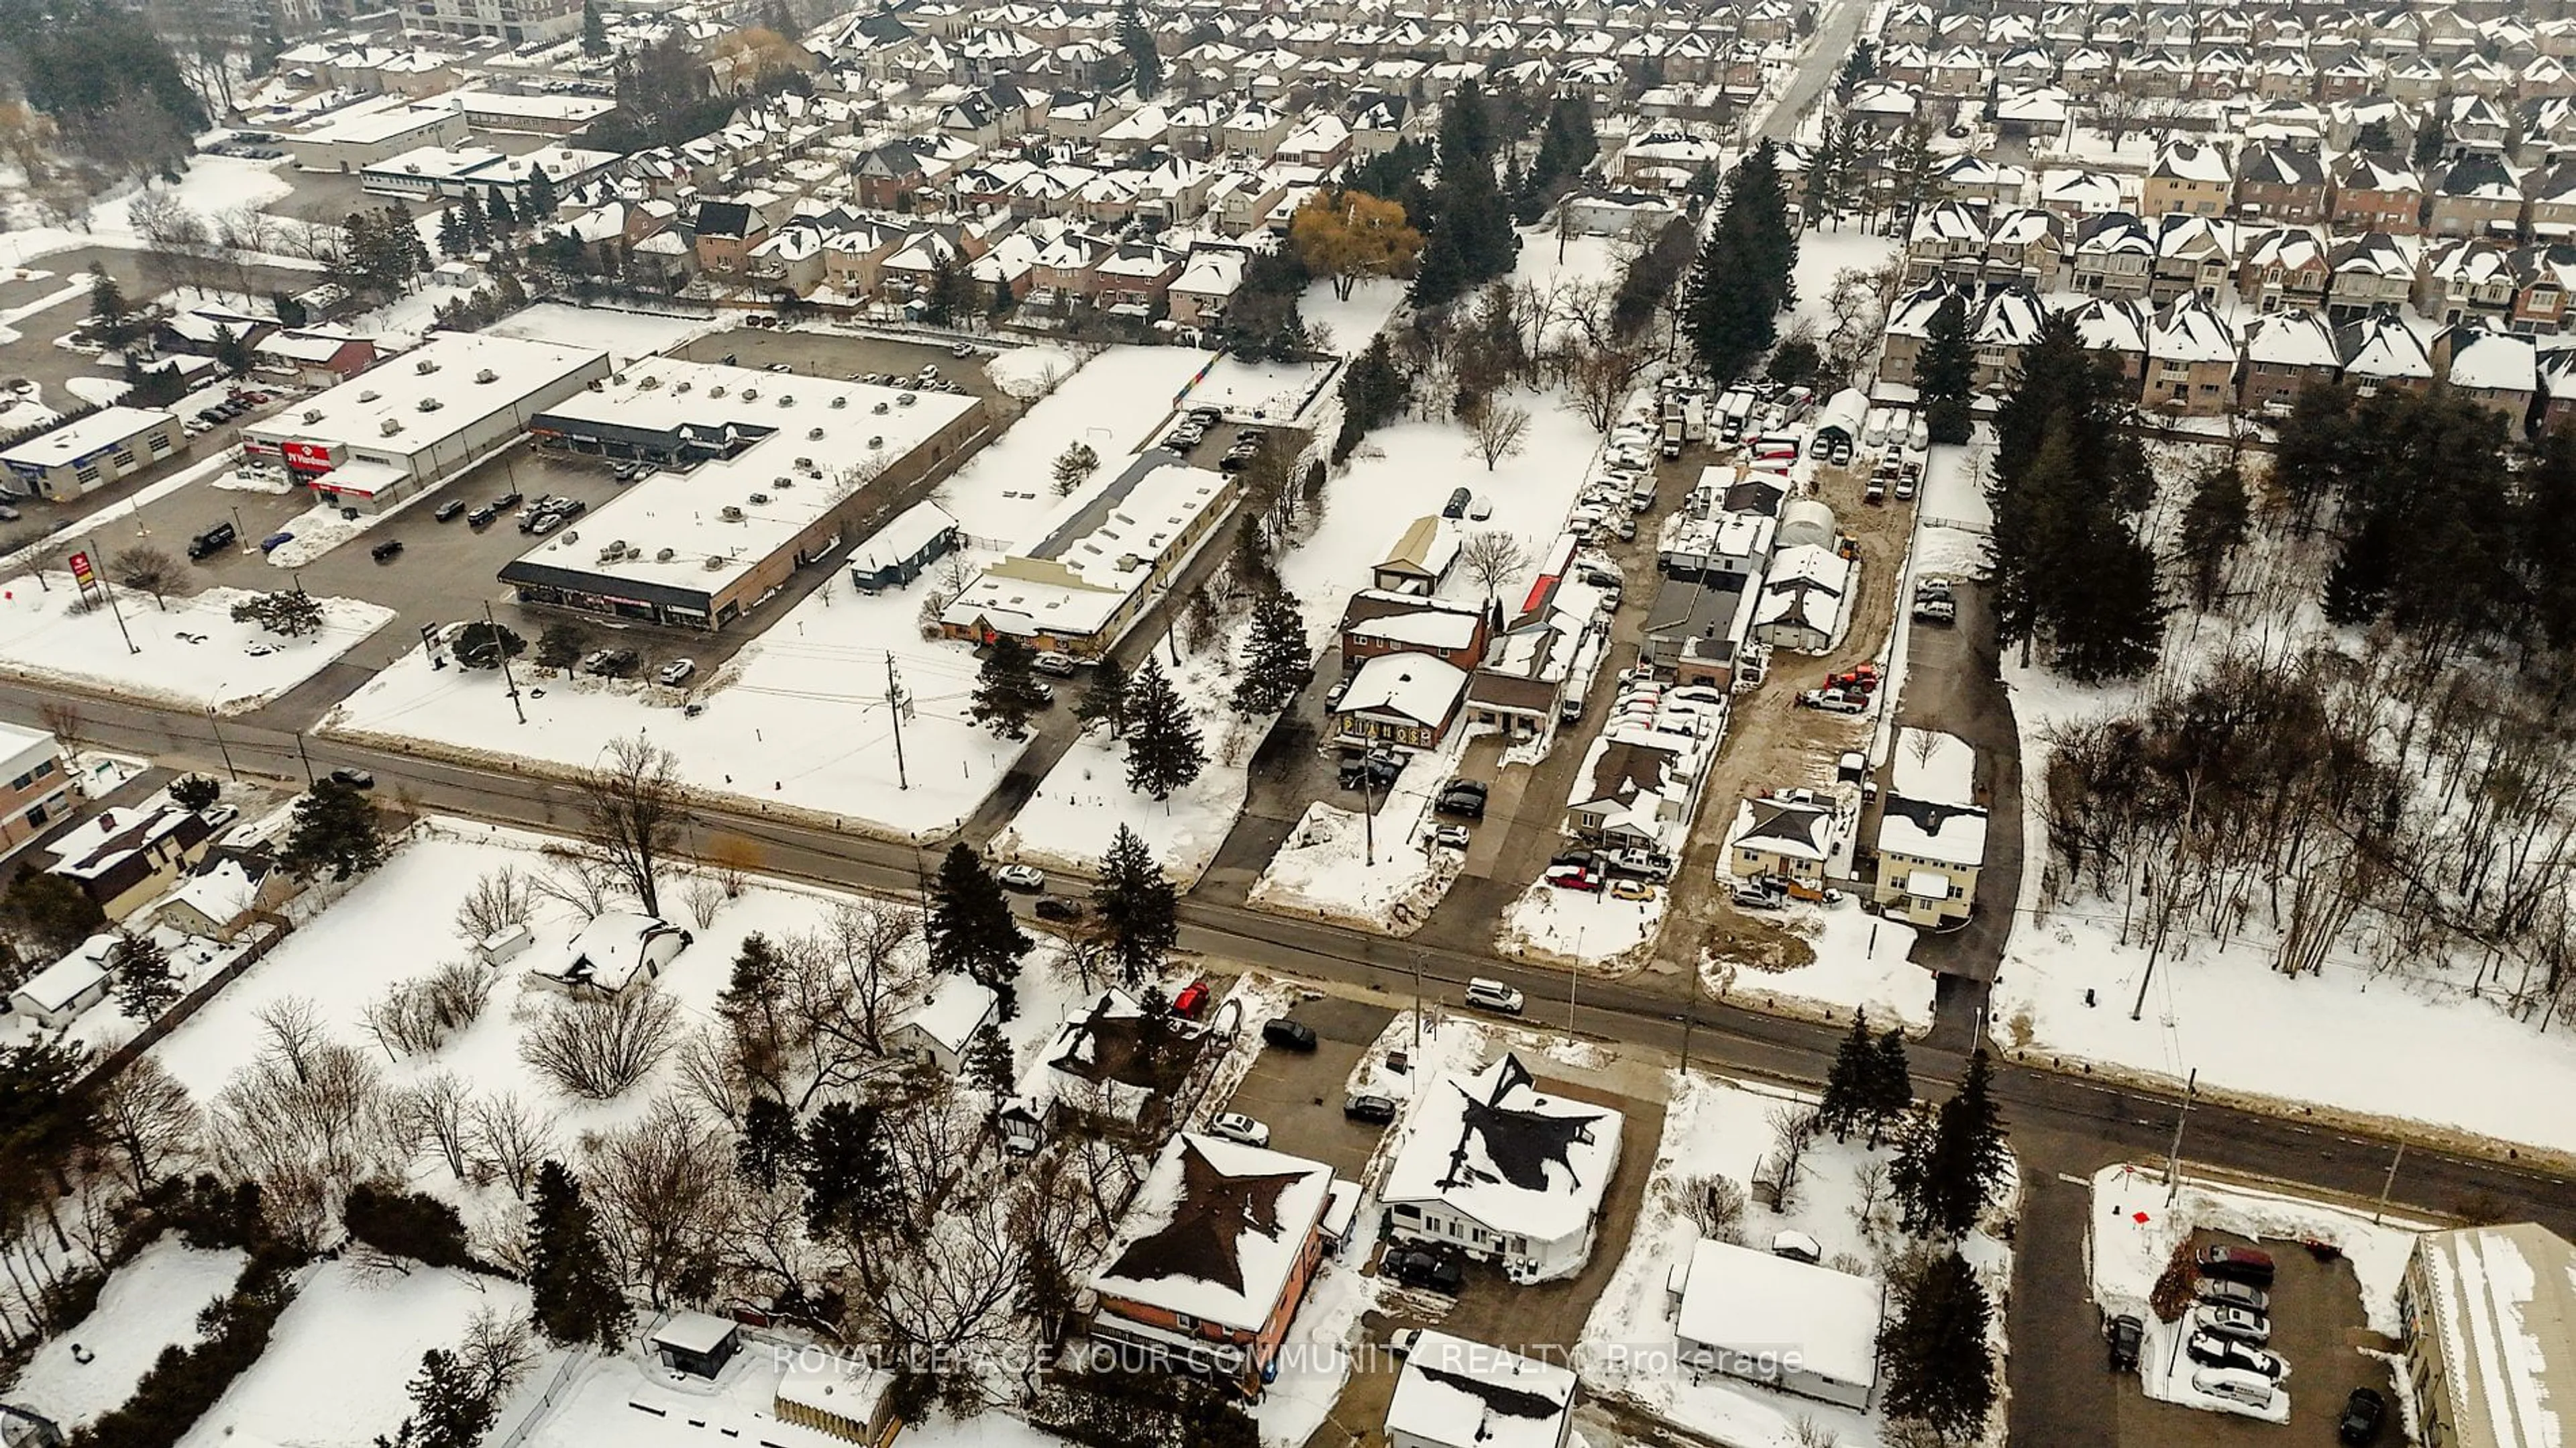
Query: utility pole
{"x": 1368, "y": 818}
{"x": 507, "y": 682}
{"x": 1690, "y": 1016}
{"x": 2148, "y": 887}
{"x": 220, "y": 747}
{"x": 894, "y": 709}
{"x": 2173, "y": 1157}
{"x": 2388, "y": 1184}
{"x": 1417, "y": 1003}
{"x": 98, "y": 566}
{"x": 307, "y": 758}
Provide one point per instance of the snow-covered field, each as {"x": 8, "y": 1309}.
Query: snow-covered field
{"x": 2133, "y": 1234}
{"x": 191, "y": 654}
{"x": 624, "y": 335}
{"x": 1383, "y": 874}
{"x": 1717, "y": 1127}
{"x": 1548, "y": 923}
{"x": 210, "y": 185}
{"x": 1351, "y": 323}
{"x": 334, "y": 1369}
{"x": 1860, "y": 961}
{"x": 148, "y": 1304}
{"x": 1823, "y": 255}
{"x": 1027, "y": 372}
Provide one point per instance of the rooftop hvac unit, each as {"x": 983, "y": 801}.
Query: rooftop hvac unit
{"x": 312, "y": 415}
{"x": 430, "y": 404}
{"x": 390, "y": 426}
{"x": 786, "y": 483}
{"x": 662, "y": 556}
{"x": 369, "y": 395}
{"x": 425, "y": 366}
{"x": 876, "y": 442}
{"x": 802, "y": 465}
{"x": 757, "y": 499}
{"x": 716, "y": 391}
{"x": 617, "y": 377}
{"x": 714, "y": 562}
{"x": 840, "y": 402}
{"x": 648, "y": 384}
{"x": 729, "y": 513}
{"x": 787, "y": 399}
{"x": 751, "y": 394}
{"x": 813, "y": 434}
{"x": 487, "y": 375}
{"x": 878, "y": 408}
{"x": 595, "y": 385}
{"x": 680, "y": 386}
{"x": 904, "y": 399}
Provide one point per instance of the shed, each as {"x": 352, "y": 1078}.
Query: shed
{"x": 897, "y": 553}
{"x": 1842, "y": 418}
{"x": 1421, "y": 557}
{"x": 696, "y": 1343}
{"x": 1804, "y": 521}
{"x": 503, "y": 945}
{"x": 616, "y": 949}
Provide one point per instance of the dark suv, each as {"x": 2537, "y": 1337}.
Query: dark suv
{"x": 1418, "y": 1267}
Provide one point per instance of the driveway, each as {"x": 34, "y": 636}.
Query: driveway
{"x": 1298, "y": 1094}
{"x": 1954, "y": 683}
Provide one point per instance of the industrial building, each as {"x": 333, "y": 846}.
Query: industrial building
{"x": 434, "y": 172}
{"x": 1079, "y": 588}
{"x": 423, "y": 417}
{"x": 90, "y": 452}
{"x": 760, "y": 475}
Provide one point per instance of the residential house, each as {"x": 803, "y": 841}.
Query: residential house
{"x": 726, "y": 232}
{"x": 2552, "y": 215}
{"x": 1494, "y": 1167}
{"x": 64, "y": 991}
{"x": 125, "y": 855}
{"x": 2463, "y": 280}
{"x": 2477, "y": 196}
{"x": 1379, "y": 621}
{"x": 2194, "y": 255}
{"x": 1931, "y": 831}
{"x": 1404, "y": 700}
{"x": 1792, "y": 835}
{"x": 2115, "y": 328}
{"x": 2114, "y": 256}
{"x": 220, "y": 898}
{"x": 2285, "y": 352}
{"x": 1109, "y": 1061}
{"x": 615, "y": 951}
{"x": 2187, "y": 176}
{"x": 2374, "y": 192}
{"x": 1732, "y": 1306}
{"x": 2367, "y": 273}
{"x": 2004, "y": 324}
{"x": 1800, "y": 602}
{"x": 2380, "y": 350}
{"x": 2544, "y": 274}
{"x": 2191, "y": 360}
{"x": 2278, "y": 183}
{"x": 1452, "y": 1393}
{"x": 1421, "y": 558}
{"x": 941, "y": 1030}
{"x": 2498, "y": 370}
{"x": 1638, "y": 787}
{"x": 2284, "y": 267}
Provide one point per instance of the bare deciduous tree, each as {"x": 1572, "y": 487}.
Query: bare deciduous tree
{"x": 499, "y": 900}
{"x": 68, "y": 725}
{"x": 1491, "y": 557}
{"x": 415, "y": 1017}
{"x": 498, "y": 1350}
{"x": 1495, "y": 431}
{"x": 598, "y": 1046}
{"x": 578, "y": 883}
{"x": 148, "y": 1123}
{"x": 730, "y": 858}
{"x": 633, "y": 809}
{"x": 514, "y": 1138}
{"x": 148, "y": 569}
{"x": 703, "y": 896}
{"x": 1792, "y": 1128}
{"x": 1602, "y": 377}
{"x": 1715, "y": 1205}
{"x": 292, "y": 1026}
{"x": 664, "y": 1188}
{"x": 441, "y": 1106}
{"x": 307, "y": 1134}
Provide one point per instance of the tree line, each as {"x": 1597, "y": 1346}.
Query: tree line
{"x": 1743, "y": 279}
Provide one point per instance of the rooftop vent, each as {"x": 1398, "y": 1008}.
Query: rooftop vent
{"x": 663, "y": 555}
{"x": 430, "y": 404}
{"x": 312, "y": 415}
{"x": 787, "y": 399}
{"x": 751, "y": 394}
{"x": 730, "y": 513}
{"x": 487, "y": 375}
{"x": 904, "y": 399}
{"x": 716, "y": 391}
{"x": 878, "y": 408}
{"x": 714, "y": 562}
{"x": 649, "y": 383}
{"x": 425, "y": 366}
{"x": 369, "y": 395}
{"x": 682, "y": 385}
{"x": 390, "y": 426}
{"x": 758, "y": 498}
{"x": 813, "y": 434}
{"x": 877, "y": 441}
{"x": 840, "y": 402}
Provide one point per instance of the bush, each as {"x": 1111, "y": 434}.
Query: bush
{"x": 186, "y": 1381}
{"x": 416, "y": 1017}
{"x": 406, "y": 1224}
{"x": 597, "y": 1047}
{"x": 211, "y": 1216}
{"x": 68, "y": 1298}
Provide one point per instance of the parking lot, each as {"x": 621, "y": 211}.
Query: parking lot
{"x": 1298, "y": 1094}
{"x": 2319, "y": 1331}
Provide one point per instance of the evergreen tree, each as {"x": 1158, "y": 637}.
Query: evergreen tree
{"x": 1104, "y": 697}
{"x": 1007, "y": 690}
{"x": 769, "y": 1145}
{"x": 541, "y": 200}
{"x": 1144, "y": 62}
{"x": 500, "y": 213}
{"x": 970, "y": 928}
{"x": 449, "y": 1406}
{"x": 1847, "y": 1100}
{"x": 594, "y": 29}
{"x": 335, "y": 830}
{"x": 1468, "y": 221}
{"x": 848, "y": 1181}
{"x": 1137, "y": 906}
{"x": 1374, "y": 391}
{"x": 2547, "y": 536}
{"x": 2312, "y": 450}
{"x": 2214, "y": 523}
{"x": 939, "y": 302}
{"x": 1945, "y": 378}
{"x": 2112, "y": 623}
{"x": 988, "y": 1063}
{"x": 576, "y": 1297}
{"x": 1163, "y": 748}
{"x": 111, "y": 318}
{"x": 1275, "y": 658}
{"x": 2374, "y": 136}
{"x": 452, "y": 240}
{"x": 50, "y": 913}
{"x": 145, "y": 983}
{"x": 1940, "y": 1370}
{"x": 1891, "y": 1085}
{"x": 478, "y": 222}
{"x": 1074, "y": 467}
{"x": 1913, "y": 176}
{"x": 2429, "y": 140}
{"x": 1742, "y": 279}
{"x": 196, "y": 792}
{"x": 1950, "y": 1161}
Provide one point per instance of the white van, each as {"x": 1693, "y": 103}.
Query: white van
{"x": 2235, "y": 1385}
{"x": 1493, "y": 995}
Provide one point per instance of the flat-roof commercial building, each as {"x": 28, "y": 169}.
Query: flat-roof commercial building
{"x": 548, "y": 114}
{"x": 421, "y": 418}
{"x": 762, "y": 474}
{"x": 2489, "y": 1322}
{"x": 441, "y": 171}
{"x": 367, "y": 133}
{"x": 1078, "y": 590}
{"x": 90, "y": 452}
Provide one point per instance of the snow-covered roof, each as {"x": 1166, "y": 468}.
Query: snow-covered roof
{"x": 958, "y": 1007}
{"x": 98, "y": 845}
{"x": 1416, "y": 688}
{"x": 613, "y": 948}
{"x": 1495, "y": 1149}
{"x": 2295, "y": 339}
{"x": 2487, "y": 359}
{"x": 77, "y": 440}
{"x": 1948, "y": 834}
{"x": 1460, "y": 1394}
{"x": 693, "y": 1332}
{"x": 1931, "y": 764}
{"x": 2504, "y": 1312}
{"x": 66, "y": 980}
{"x": 1101, "y": 546}
{"x": 1745, "y": 1301}
{"x": 1216, "y": 1231}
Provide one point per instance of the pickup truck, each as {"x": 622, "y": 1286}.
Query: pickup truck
{"x": 1834, "y": 701}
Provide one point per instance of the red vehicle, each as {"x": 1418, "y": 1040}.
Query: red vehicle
{"x": 1862, "y": 680}
{"x": 1576, "y": 877}
{"x": 1192, "y": 1000}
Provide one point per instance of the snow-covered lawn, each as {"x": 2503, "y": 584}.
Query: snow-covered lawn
{"x": 1552, "y": 924}
{"x": 1860, "y": 961}
{"x": 211, "y": 185}
{"x": 148, "y": 1304}
{"x": 334, "y": 1370}
{"x": 1351, "y": 323}
{"x": 1822, "y": 255}
{"x": 1717, "y": 1127}
{"x": 42, "y": 639}
{"x": 624, "y": 335}
{"x": 1277, "y": 393}
{"x": 2134, "y": 1232}
{"x": 1028, "y": 372}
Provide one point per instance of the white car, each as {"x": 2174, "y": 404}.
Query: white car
{"x": 1236, "y": 1127}
{"x": 1051, "y": 662}
{"x": 1493, "y": 995}
{"x": 1021, "y": 877}
{"x": 677, "y": 672}
{"x": 1452, "y": 836}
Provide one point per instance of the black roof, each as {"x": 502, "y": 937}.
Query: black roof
{"x": 1215, "y": 1208}
{"x": 723, "y": 218}
{"x": 1521, "y": 1144}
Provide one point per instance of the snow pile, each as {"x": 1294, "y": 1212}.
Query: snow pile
{"x": 191, "y": 653}
{"x": 1860, "y": 960}
{"x": 275, "y": 482}
{"x": 1548, "y": 923}
{"x": 1324, "y": 869}
{"x": 1029, "y": 373}
{"x": 148, "y": 1304}
{"x": 99, "y": 391}
{"x": 317, "y": 530}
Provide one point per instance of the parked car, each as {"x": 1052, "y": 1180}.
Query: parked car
{"x": 353, "y": 777}
{"x": 507, "y": 501}
{"x": 2235, "y": 1385}
{"x": 450, "y": 511}
{"x": 218, "y": 816}
{"x": 1051, "y": 662}
{"x": 2124, "y": 1335}
{"x": 677, "y": 672}
{"x": 1236, "y": 1127}
{"x": 1401, "y": 1344}
{"x": 2363, "y": 1412}
{"x": 1456, "y": 507}
{"x": 1192, "y": 1000}
{"x": 483, "y": 517}
{"x": 1376, "y": 1110}
{"x": 2220, "y": 1352}
{"x": 1419, "y": 1267}
{"x": 1834, "y": 701}
{"x": 1028, "y": 878}
{"x": 387, "y": 551}
{"x": 1936, "y": 610}
{"x": 1287, "y": 1034}
{"x": 610, "y": 663}
{"x": 2249, "y": 1265}
{"x": 2233, "y": 1294}
{"x": 275, "y": 541}
{"x": 1874, "y": 491}
{"x": 1631, "y": 890}
{"x": 1575, "y": 877}
{"x": 1453, "y": 837}
{"x": 1470, "y": 804}
{"x": 2232, "y": 1322}
{"x": 1759, "y": 895}
{"x": 1051, "y": 908}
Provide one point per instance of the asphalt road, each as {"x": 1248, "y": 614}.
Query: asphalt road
{"x": 1836, "y": 30}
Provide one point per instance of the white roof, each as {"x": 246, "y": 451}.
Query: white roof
{"x": 2504, "y": 1328}
{"x": 366, "y": 127}
{"x": 1936, "y": 766}
{"x": 1470, "y": 1395}
{"x": 1101, "y": 546}
{"x": 90, "y": 849}
{"x": 1750, "y": 1301}
{"x": 958, "y": 1006}
{"x": 1418, "y": 687}
{"x": 78, "y": 439}
{"x": 613, "y": 947}
{"x": 1491, "y": 1147}
{"x": 827, "y": 1383}
{"x": 64, "y": 981}
{"x": 683, "y": 512}
{"x": 1944, "y": 834}
{"x": 2481, "y": 358}
{"x": 354, "y": 414}
{"x": 903, "y": 536}
{"x": 1185, "y": 1256}
{"x": 693, "y": 1332}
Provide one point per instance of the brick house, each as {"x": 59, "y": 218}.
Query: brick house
{"x": 2281, "y": 184}
{"x": 2371, "y": 191}
{"x": 2285, "y": 352}
{"x": 2191, "y": 177}
{"x": 2477, "y": 196}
